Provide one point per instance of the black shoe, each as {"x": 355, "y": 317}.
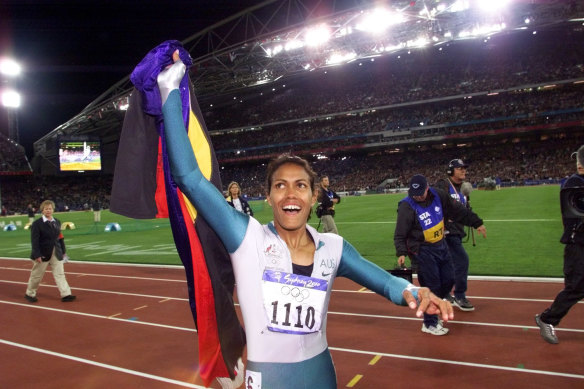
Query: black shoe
{"x": 68, "y": 298}
{"x": 463, "y": 304}
{"x": 31, "y": 299}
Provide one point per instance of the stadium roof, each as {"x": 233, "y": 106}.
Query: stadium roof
{"x": 278, "y": 39}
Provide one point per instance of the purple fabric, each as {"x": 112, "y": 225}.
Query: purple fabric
{"x": 144, "y": 77}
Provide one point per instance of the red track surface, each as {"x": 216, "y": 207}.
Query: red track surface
{"x": 131, "y": 327}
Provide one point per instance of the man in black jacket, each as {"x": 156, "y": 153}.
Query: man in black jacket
{"x": 48, "y": 247}
{"x": 455, "y": 233}
{"x": 327, "y": 199}
{"x": 419, "y": 234}
{"x": 573, "y": 238}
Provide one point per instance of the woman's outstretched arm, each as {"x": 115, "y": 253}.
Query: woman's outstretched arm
{"x": 229, "y": 224}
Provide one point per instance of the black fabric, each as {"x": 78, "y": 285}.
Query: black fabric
{"x": 134, "y": 183}
{"x": 303, "y": 270}
{"x": 573, "y": 227}
{"x": 44, "y": 238}
{"x": 450, "y": 226}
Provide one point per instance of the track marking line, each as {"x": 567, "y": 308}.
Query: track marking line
{"x": 102, "y": 365}
{"x": 374, "y": 360}
{"x": 522, "y": 326}
{"x": 461, "y": 363}
{"x": 165, "y": 300}
{"x": 114, "y": 315}
{"x": 142, "y": 307}
{"x": 99, "y": 316}
{"x": 354, "y": 381}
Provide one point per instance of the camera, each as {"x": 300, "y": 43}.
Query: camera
{"x": 572, "y": 202}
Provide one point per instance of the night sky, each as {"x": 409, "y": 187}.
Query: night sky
{"x": 72, "y": 51}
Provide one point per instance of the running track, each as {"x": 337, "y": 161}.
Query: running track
{"x": 131, "y": 327}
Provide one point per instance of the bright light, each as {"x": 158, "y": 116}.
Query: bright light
{"x": 294, "y": 44}
{"x": 379, "y": 20}
{"x": 492, "y": 5}
{"x": 337, "y": 58}
{"x": 420, "y": 42}
{"x": 460, "y": 5}
{"x": 9, "y": 67}
{"x": 317, "y": 35}
{"x": 10, "y": 99}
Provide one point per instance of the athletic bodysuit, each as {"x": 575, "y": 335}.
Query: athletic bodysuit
{"x": 284, "y": 313}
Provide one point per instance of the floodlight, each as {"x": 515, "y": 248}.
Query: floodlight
{"x": 317, "y": 35}
{"x": 379, "y": 20}
{"x": 10, "y": 99}
{"x": 492, "y": 5}
{"x": 9, "y": 67}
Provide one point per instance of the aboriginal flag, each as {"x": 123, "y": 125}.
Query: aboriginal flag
{"x": 143, "y": 188}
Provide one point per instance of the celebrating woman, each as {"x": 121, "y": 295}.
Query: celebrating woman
{"x": 284, "y": 270}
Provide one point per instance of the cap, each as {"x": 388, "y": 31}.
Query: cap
{"x": 456, "y": 163}
{"x": 418, "y": 185}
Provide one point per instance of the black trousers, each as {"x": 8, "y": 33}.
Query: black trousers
{"x": 573, "y": 285}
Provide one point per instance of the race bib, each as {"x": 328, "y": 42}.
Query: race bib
{"x": 253, "y": 380}
{"x": 293, "y": 303}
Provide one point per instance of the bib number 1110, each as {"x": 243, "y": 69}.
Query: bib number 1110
{"x": 309, "y": 316}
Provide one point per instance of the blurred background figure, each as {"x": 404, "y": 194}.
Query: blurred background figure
{"x": 236, "y": 200}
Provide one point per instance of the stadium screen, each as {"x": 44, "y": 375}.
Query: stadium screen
{"x": 79, "y": 156}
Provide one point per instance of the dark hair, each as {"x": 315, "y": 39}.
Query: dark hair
{"x": 289, "y": 158}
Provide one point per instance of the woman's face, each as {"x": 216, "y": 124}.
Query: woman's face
{"x": 234, "y": 190}
{"x": 48, "y": 211}
{"x": 291, "y": 197}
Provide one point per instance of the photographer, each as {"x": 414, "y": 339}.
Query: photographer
{"x": 571, "y": 201}
{"x": 327, "y": 199}
{"x": 454, "y": 233}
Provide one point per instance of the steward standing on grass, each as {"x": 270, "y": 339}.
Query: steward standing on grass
{"x": 419, "y": 233}
{"x": 573, "y": 238}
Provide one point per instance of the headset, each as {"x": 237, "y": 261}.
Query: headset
{"x": 450, "y": 170}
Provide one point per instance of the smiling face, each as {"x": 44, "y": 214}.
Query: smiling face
{"x": 291, "y": 197}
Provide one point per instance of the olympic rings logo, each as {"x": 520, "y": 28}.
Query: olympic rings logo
{"x": 299, "y": 294}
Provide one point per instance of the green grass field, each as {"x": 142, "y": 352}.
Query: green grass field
{"x": 523, "y": 232}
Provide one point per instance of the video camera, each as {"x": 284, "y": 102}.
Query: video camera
{"x": 572, "y": 202}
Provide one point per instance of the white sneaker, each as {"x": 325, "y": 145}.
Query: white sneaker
{"x": 437, "y": 330}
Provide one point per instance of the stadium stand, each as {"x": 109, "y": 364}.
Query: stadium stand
{"x": 510, "y": 105}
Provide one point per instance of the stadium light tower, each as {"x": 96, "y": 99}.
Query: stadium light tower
{"x": 10, "y": 70}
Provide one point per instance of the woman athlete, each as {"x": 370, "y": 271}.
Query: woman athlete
{"x": 284, "y": 270}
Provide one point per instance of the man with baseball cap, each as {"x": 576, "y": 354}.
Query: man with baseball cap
{"x": 455, "y": 233}
{"x": 419, "y": 234}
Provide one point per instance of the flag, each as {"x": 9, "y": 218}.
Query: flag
{"x": 143, "y": 188}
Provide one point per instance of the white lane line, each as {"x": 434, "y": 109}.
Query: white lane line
{"x": 102, "y": 365}
{"x": 473, "y": 323}
{"x": 28, "y": 305}
{"x": 166, "y": 298}
{"x": 103, "y": 291}
{"x": 85, "y": 274}
{"x": 460, "y": 363}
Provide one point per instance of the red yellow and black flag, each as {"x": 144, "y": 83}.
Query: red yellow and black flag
{"x": 143, "y": 188}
